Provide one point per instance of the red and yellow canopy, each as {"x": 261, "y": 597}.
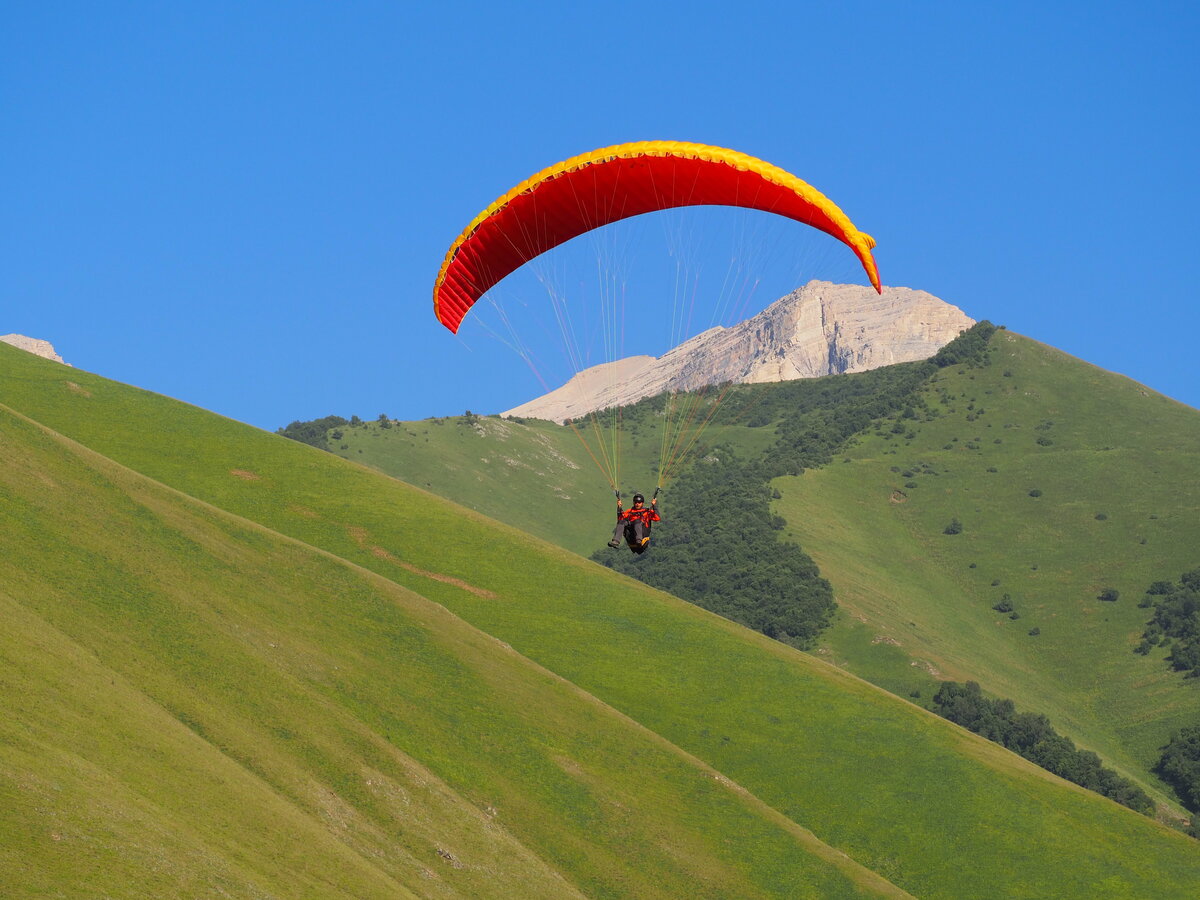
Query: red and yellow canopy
{"x": 614, "y": 183}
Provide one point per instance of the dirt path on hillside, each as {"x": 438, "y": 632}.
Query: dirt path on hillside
{"x": 360, "y": 536}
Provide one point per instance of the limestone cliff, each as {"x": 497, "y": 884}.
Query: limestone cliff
{"x": 33, "y": 345}
{"x": 819, "y": 329}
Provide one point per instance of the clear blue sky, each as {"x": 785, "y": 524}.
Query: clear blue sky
{"x": 244, "y": 205}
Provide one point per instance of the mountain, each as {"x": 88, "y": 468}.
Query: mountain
{"x": 35, "y": 346}
{"x": 236, "y": 664}
{"x": 1067, "y": 481}
{"x": 818, "y": 329}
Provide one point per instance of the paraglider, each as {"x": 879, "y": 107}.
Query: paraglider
{"x": 634, "y": 524}
{"x": 605, "y": 186}
{"x": 614, "y": 183}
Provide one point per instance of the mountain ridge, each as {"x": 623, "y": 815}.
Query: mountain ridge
{"x": 818, "y": 329}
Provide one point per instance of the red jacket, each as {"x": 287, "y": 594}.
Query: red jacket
{"x": 647, "y": 514}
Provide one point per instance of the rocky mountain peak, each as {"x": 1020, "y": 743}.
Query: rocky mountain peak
{"x": 33, "y": 345}
{"x": 819, "y": 329}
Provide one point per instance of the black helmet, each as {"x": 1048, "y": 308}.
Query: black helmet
{"x": 638, "y": 498}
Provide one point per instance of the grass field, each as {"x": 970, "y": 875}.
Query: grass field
{"x": 280, "y": 588}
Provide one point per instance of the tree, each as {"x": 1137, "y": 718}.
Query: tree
{"x": 1176, "y": 616}
{"x": 1186, "y": 657}
{"x": 314, "y": 432}
{"x": 1179, "y": 766}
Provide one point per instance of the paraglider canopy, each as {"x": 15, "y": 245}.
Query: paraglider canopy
{"x": 614, "y": 183}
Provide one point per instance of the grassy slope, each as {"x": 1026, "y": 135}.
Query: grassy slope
{"x": 933, "y": 809}
{"x": 195, "y": 705}
{"x": 1117, "y": 449}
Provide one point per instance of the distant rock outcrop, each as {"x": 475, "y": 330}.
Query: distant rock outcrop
{"x": 819, "y": 329}
{"x": 34, "y": 346}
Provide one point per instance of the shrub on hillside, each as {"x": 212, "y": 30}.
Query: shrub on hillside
{"x": 970, "y": 347}
{"x": 314, "y": 432}
{"x": 1185, "y": 657}
{"x": 1179, "y": 766}
{"x": 1176, "y": 616}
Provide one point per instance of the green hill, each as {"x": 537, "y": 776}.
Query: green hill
{"x": 1067, "y": 481}
{"x": 196, "y": 705}
{"x": 1116, "y": 473}
{"x": 224, "y": 641}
